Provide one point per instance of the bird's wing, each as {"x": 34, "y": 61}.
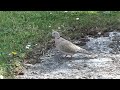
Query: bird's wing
{"x": 68, "y": 47}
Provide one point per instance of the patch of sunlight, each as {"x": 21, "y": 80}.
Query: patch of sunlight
{"x": 87, "y": 12}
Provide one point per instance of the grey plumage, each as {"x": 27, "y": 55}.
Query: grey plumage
{"x": 66, "y": 46}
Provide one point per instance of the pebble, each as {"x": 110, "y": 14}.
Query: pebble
{"x": 1, "y": 77}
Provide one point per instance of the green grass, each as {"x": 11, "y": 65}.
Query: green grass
{"x": 19, "y": 28}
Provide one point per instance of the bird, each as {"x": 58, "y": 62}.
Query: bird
{"x": 67, "y": 47}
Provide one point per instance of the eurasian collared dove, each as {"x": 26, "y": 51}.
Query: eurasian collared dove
{"x": 67, "y": 47}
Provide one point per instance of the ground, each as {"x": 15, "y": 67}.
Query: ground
{"x": 26, "y": 37}
{"x": 104, "y": 63}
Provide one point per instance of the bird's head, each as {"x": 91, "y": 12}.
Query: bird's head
{"x": 55, "y": 34}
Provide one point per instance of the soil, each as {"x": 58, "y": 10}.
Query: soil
{"x": 104, "y": 63}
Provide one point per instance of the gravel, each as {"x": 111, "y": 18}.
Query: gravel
{"x": 105, "y": 65}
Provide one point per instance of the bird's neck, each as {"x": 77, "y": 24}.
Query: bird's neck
{"x": 57, "y": 40}
{"x": 57, "y": 37}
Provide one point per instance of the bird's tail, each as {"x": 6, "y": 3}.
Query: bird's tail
{"x": 88, "y": 53}
{"x": 84, "y": 51}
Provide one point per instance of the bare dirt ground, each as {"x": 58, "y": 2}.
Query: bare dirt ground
{"x": 104, "y": 64}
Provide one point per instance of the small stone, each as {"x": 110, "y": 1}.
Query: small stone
{"x": 21, "y": 73}
{"x": 59, "y": 28}
{"x": 77, "y": 77}
{"x": 1, "y": 77}
{"x": 99, "y": 33}
{"x": 69, "y": 65}
{"x": 47, "y": 55}
{"x": 77, "y": 18}
{"x": 41, "y": 58}
{"x": 85, "y": 65}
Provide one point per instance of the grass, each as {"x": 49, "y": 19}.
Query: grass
{"x": 20, "y": 28}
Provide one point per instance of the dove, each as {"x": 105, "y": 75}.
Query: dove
{"x": 65, "y": 46}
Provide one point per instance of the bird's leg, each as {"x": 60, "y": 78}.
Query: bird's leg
{"x": 56, "y": 53}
